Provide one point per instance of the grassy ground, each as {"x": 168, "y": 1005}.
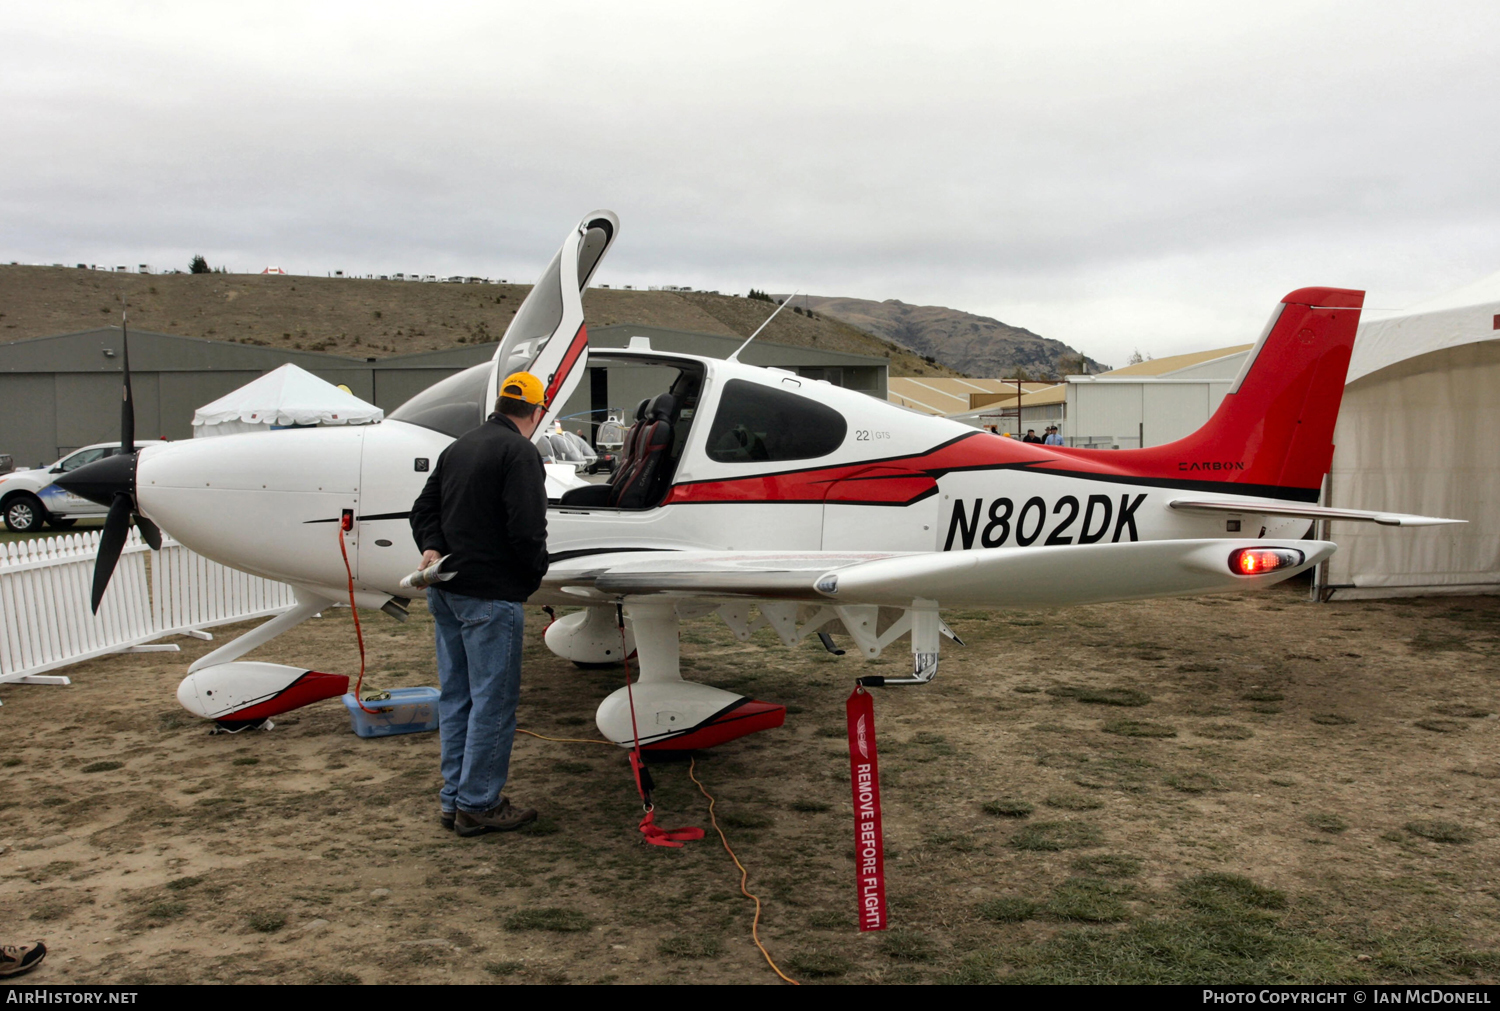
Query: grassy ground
{"x": 1230, "y": 789}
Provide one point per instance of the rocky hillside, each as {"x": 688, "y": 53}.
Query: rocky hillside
{"x": 379, "y": 318}
{"x": 977, "y": 345}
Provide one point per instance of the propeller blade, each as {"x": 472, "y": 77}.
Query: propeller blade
{"x": 111, "y": 543}
{"x": 127, "y": 405}
{"x": 149, "y": 530}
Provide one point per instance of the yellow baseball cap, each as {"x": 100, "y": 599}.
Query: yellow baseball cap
{"x": 523, "y": 386}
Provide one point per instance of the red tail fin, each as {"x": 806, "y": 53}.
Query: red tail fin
{"x": 1275, "y": 428}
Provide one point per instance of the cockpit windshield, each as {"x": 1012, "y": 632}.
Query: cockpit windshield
{"x": 452, "y": 406}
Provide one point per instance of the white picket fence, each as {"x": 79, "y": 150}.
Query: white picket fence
{"x": 45, "y": 585}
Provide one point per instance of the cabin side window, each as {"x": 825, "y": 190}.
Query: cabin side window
{"x": 758, "y": 423}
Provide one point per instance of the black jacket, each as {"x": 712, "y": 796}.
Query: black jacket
{"x": 486, "y": 505}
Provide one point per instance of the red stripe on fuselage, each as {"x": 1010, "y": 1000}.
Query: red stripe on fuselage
{"x": 896, "y": 481}
{"x": 902, "y": 480}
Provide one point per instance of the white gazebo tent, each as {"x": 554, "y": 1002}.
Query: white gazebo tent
{"x": 282, "y": 398}
{"x": 1419, "y": 432}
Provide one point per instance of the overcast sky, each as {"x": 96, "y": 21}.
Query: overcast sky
{"x": 1117, "y": 176}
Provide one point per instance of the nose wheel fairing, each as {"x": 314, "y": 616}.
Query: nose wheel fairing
{"x": 245, "y": 690}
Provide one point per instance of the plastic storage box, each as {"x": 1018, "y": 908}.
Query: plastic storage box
{"x": 407, "y": 711}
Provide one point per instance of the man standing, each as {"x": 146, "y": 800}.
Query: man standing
{"x": 485, "y": 506}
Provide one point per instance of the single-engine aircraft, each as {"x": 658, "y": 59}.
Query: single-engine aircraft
{"x": 769, "y": 499}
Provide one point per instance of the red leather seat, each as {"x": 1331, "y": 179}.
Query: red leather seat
{"x": 637, "y": 485}
{"x": 638, "y": 480}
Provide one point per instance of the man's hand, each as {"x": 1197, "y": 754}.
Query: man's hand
{"x": 428, "y": 557}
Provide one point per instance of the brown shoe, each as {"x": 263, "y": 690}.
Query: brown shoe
{"x": 445, "y": 818}
{"x": 503, "y": 818}
{"x": 16, "y": 959}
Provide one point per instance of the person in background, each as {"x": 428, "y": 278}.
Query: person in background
{"x": 1054, "y": 437}
{"x": 1030, "y": 436}
{"x": 485, "y": 506}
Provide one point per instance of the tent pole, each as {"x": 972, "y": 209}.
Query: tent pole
{"x": 1325, "y": 528}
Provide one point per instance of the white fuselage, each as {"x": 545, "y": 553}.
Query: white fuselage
{"x": 270, "y": 503}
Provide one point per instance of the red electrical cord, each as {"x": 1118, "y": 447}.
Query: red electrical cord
{"x": 344, "y": 524}
{"x": 653, "y": 833}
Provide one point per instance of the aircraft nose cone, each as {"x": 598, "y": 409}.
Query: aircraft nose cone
{"x": 101, "y": 480}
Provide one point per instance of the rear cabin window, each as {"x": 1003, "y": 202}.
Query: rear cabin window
{"x": 761, "y": 423}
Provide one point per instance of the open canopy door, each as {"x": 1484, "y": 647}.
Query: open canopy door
{"x": 547, "y": 337}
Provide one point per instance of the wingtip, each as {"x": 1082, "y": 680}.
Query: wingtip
{"x": 1405, "y": 520}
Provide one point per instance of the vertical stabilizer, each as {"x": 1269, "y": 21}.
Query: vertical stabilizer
{"x": 1274, "y": 430}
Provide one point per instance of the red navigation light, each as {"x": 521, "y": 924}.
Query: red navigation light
{"x": 1258, "y": 561}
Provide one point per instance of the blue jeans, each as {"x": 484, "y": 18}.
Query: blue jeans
{"x": 479, "y": 668}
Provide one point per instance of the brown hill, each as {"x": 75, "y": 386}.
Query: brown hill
{"x": 379, "y": 318}
{"x": 977, "y": 345}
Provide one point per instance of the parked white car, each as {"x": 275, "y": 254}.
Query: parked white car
{"x": 28, "y": 498}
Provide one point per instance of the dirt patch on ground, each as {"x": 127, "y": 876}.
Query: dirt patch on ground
{"x": 1210, "y": 789}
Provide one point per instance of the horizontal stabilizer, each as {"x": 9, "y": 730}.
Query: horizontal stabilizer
{"x": 1271, "y": 507}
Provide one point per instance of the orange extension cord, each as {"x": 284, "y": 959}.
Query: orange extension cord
{"x": 566, "y": 740}
{"x": 744, "y": 876}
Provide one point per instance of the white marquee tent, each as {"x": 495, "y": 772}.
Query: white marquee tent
{"x": 280, "y": 399}
{"x": 1419, "y": 432}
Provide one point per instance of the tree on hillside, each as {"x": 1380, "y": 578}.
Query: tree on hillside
{"x": 199, "y": 266}
{"x": 1074, "y": 364}
{"x": 759, "y": 296}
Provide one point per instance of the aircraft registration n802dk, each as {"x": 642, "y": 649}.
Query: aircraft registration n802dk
{"x": 767, "y": 498}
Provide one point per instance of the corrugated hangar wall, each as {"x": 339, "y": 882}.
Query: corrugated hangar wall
{"x": 58, "y": 393}
{"x": 1129, "y": 412}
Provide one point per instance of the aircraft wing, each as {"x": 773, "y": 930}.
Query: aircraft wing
{"x": 993, "y": 577}
{"x": 1272, "y": 507}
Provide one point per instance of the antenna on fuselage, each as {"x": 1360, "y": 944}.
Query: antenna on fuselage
{"x": 736, "y": 356}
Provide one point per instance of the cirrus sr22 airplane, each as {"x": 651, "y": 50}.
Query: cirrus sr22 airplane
{"x": 757, "y": 495}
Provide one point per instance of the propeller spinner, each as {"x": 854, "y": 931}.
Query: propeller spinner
{"x": 111, "y": 482}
